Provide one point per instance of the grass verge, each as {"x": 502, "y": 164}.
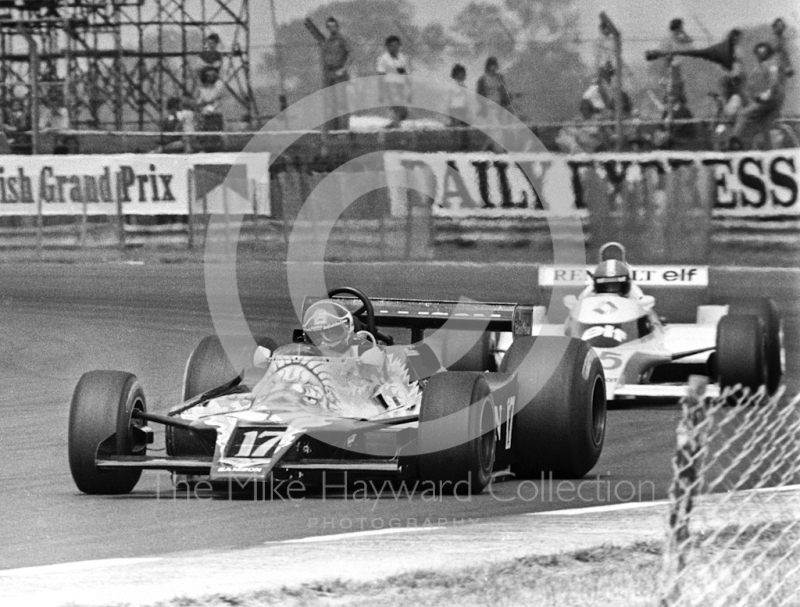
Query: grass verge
{"x": 598, "y": 577}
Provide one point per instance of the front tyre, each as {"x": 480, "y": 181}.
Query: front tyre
{"x": 101, "y": 424}
{"x": 741, "y": 352}
{"x": 457, "y": 441}
{"x": 772, "y": 330}
{"x": 559, "y": 428}
{"x": 208, "y": 367}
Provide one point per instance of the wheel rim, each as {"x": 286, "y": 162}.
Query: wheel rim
{"x": 137, "y": 446}
{"x": 487, "y": 444}
{"x": 598, "y": 411}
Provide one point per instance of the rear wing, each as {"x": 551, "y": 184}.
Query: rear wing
{"x": 416, "y": 314}
{"x": 644, "y": 276}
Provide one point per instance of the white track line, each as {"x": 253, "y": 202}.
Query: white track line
{"x": 600, "y": 509}
{"x": 76, "y": 566}
{"x": 355, "y": 534}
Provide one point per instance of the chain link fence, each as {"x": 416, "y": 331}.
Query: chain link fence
{"x": 734, "y": 523}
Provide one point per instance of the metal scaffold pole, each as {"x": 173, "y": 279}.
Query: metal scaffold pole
{"x": 119, "y": 61}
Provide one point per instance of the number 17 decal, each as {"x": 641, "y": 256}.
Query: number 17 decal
{"x": 258, "y": 444}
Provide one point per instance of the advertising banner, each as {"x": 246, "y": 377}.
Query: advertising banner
{"x": 651, "y": 276}
{"x": 142, "y": 184}
{"x": 745, "y": 184}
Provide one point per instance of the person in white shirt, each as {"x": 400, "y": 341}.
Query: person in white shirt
{"x": 209, "y": 98}
{"x": 395, "y": 66}
{"x": 457, "y": 103}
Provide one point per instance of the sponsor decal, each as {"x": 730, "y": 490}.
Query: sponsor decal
{"x": 150, "y": 184}
{"x": 609, "y": 331}
{"x": 652, "y": 276}
{"x": 237, "y": 470}
{"x": 587, "y": 364}
{"x": 741, "y": 184}
{"x": 504, "y": 415}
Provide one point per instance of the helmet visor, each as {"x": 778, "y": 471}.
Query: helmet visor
{"x": 612, "y": 284}
{"x": 329, "y": 335}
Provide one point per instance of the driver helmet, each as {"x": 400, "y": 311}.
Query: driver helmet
{"x": 612, "y": 277}
{"x": 328, "y": 324}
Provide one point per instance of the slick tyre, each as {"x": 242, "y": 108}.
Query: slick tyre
{"x": 559, "y": 427}
{"x": 741, "y": 352}
{"x": 479, "y": 357}
{"x": 101, "y": 424}
{"x": 457, "y": 441}
{"x": 772, "y": 325}
{"x": 208, "y": 367}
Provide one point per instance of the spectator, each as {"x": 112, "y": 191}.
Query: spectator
{"x": 604, "y": 49}
{"x": 778, "y": 28}
{"x": 175, "y": 123}
{"x": 492, "y": 86}
{"x": 766, "y": 93}
{"x": 188, "y": 114}
{"x": 727, "y": 106}
{"x": 172, "y": 122}
{"x": 209, "y": 97}
{"x": 737, "y": 70}
{"x": 54, "y": 118}
{"x": 53, "y": 114}
{"x": 732, "y": 99}
{"x": 395, "y": 66}
{"x": 19, "y": 128}
{"x": 675, "y": 136}
{"x": 336, "y": 59}
{"x": 583, "y": 137}
{"x": 677, "y": 41}
{"x": 597, "y": 100}
{"x": 457, "y": 97}
{"x": 210, "y": 55}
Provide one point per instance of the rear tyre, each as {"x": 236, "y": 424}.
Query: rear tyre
{"x": 559, "y": 427}
{"x": 480, "y": 356}
{"x": 208, "y": 367}
{"x": 767, "y": 312}
{"x": 447, "y": 420}
{"x": 741, "y": 355}
{"x": 101, "y": 424}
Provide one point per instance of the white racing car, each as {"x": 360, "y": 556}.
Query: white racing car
{"x": 736, "y": 343}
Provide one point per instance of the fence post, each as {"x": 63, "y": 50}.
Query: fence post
{"x": 227, "y": 216}
{"x": 685, "y": 484}
{"x": 190, "y": 209}
{"x": 39, "y": 228}
{"x": 615, "y": 34}
{"x": 84, "y": 221}
{"x": 120, "y": 217}
{"x": 277, "y": 200}
{"x": 253, "y": 189}
{"x": 34, "y": 59}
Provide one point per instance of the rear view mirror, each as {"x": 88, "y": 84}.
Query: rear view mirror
{"x": 647, "y": 302}
{"x": 570, "y": 301}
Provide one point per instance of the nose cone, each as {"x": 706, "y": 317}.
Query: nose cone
{"x": 606, "y": 309}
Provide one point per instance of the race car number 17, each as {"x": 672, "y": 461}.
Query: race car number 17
{"x": 255, "y": 443}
